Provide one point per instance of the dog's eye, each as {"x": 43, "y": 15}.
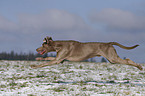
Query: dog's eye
{"x": 45, "y": 42}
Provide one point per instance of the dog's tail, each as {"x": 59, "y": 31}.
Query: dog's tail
{"x": 124, "y": 47}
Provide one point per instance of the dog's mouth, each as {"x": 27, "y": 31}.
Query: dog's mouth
{"x": 42, "y": 52}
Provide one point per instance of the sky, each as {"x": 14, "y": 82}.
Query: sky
{"x": 25, "y": 23}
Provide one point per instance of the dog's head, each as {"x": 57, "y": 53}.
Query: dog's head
{"x": 46, "y": 46}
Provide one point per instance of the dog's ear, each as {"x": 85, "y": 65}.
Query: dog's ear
{"x": 48, "y": 40}
{"x": 44, "y": 40}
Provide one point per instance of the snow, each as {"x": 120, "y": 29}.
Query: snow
{"x": 70, "y": 79}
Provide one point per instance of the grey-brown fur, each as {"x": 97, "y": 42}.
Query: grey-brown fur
{"x": 77, "y": 51}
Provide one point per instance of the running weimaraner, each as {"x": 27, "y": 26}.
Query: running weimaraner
{"x": 77, "y": 51}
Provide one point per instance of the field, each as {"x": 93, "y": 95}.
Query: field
{"x": 17, "y": 78}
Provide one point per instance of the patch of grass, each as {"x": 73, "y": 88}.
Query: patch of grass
{"x": 16, "y": 65}
{"x": 72, "y": 89}
{"x": 19, "y": 92}
{"x": 39, "y": 76}
{"x": 2, "y": 70}
{"x": 13, "y": 83}
{"x": 52, "y": 72}
{"x": 112, "y": 81}
{"x": 142, "y": 73}
{"x": 22, "y": 67}
{"x": 109, "y": 69}
{"x": 97, "y": 85}
{"x": 15, "y": 78}
{"x": 67, "y": 72}
{"x": 58, "y": 89}
{"x": 81, "y": 83}
{"x": 31, "y": 95}
{"x": 109, "y": 92}
{"x": 30, "y": 73}
{"x": 138, "y": 92}
{"x": 84, "y": 88}
{"x": 23, "y": 70}
{"x": 3, "y": 86}
{"x": 112, "y": 77}
{"x": 126, "y": 79}
{"x": 56, "y": 77}
{"x": 102, "y": 93}
{"x": 24, "y": 84}
{"x": 132, "y": 73}
{"x": 81, "y": 67}
{"x": 103, "y": 78}
{"x": 127, "y": 93}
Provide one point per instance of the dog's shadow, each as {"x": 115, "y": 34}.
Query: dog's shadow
{"x": 97, "y": 83}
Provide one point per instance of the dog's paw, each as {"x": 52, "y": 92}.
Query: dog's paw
{"x": 139, "y": 67}
{"x": 39, "y": 58}
{"x": 34, "y": 66}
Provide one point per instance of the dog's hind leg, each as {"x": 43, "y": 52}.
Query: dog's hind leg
{"x": 131, "y": 62}
{"x": 112, "y": 57}
{"x": 125, "y": 61}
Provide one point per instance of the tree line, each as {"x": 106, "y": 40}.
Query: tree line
{"x": 19, "y": 56}
{"x": 31, "y": 56}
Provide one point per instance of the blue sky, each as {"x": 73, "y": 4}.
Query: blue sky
{"x": 24, "y": 23}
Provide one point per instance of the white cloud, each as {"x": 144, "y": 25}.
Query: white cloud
{"x": 64, "y": 25}
{"x": 52, "y": 20}
{"x": 116, "y": 19}
{"x": 31, "y": 28}
{"x": 7, "y": 25}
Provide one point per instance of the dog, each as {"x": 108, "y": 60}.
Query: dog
{"x": 77, "y": 51}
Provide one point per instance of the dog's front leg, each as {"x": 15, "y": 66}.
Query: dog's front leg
{"x": 46, "y": 64}
{"x": 61, "y": 55}
{"x": 39, "y": 58}
{"x": 47, "y": 58}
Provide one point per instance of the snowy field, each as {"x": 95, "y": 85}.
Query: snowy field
{"x": 70, "y": 79}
